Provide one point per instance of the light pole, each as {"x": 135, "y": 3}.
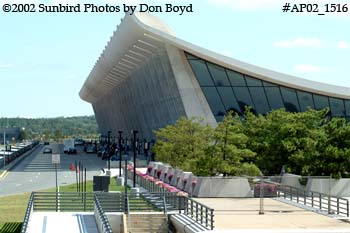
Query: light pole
{"x": 120, "y": 153}
{"x": 109, "y": 148}
{"x": 134, "y": 150}
{"x": 4, "y": 157}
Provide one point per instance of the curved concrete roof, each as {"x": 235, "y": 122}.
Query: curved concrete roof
{"x": 140, "y": 35}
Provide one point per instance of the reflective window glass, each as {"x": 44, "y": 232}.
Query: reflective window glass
{"x": 236, "y": 79}
{"x": 347, "y": 107}
{"x": 274, "y": 97}
{"x": 214, "y": 101}
{"x": 219, "y": 75}
{"x": 320, "y": 101}
{"x": 189, "y": 56}
{"x": 243, "y": 98}
{"x": 290, "y": 99}
{"x": 259, "y": 99}
{"x": 252, "y": 82}
{"x": 219, "y": 118}
{"x": 336, "y": 106}
{"x": 201, "y": 71}
{"x": 268, "y": 84}
{"x": 229, "y": 99}
{"x": 305, "y": 100}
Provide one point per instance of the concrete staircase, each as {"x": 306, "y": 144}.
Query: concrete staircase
{"x": 147, "y": 222}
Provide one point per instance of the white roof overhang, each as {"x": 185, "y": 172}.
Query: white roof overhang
{"x": 140, "y": 35}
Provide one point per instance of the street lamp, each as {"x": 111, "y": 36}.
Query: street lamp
{"x": 120, "y": 153}
{"x": 4, "y": 157}
{"x": 145, "y": 149}
{"x": 109, "y": 148}
{"x": 134, "y": 132}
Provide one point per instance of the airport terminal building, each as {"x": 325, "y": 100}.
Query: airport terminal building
{"x": 146, "y": 78}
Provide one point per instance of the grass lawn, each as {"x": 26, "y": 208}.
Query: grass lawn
{"x": 12, "y": 208}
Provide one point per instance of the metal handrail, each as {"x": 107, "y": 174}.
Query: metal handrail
{"x": 164, "y": 204}
{"x": 68, "y": 201}
{"x": 28, "y": 213}
{"x": 315, "y": 199}
{"x": 199, "y": 212}
{"x": 106, "y": 227}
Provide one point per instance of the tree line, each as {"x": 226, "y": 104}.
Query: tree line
{"x": 53, "y": 128}
{"x": 305, "y": 143}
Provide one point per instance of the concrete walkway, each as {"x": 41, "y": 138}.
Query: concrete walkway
{"x": 52, "y": 222}
{"x": 242, "y": 215}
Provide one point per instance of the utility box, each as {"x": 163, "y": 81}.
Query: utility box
{"x": 101, "y": 183}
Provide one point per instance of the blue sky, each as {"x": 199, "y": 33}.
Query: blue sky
{"x": 46, "y": 57}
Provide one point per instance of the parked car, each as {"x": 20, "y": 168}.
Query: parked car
{"x": 72, "y": 151}
{"x": 47, "y": 150}
{"x": 46, "y": 143}
{"x": 90, "y": 149}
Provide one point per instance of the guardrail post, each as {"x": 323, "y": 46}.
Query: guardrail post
{"x": 347, "y": 208}
{"x": 206, "y": 217}
{"x": 304, "y": 197}
{"x": 56, "y": 201}
{"x": 201, "y": 214}
{"x": 337, "y": 205}
{"x": 191, "y": 208}
{"x": 297, "y": 195}
{"x": 312, "y": 199}
{"x": 291, "y": 194}
{"x": 320, "y": 197}
{"x": 196, "y": 211}
{"x": 211, "y": 219}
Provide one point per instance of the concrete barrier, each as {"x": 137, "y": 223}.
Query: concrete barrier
{"x": 222, "y": 187}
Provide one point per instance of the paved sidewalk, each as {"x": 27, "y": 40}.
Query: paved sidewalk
{"x": 243, "y": 214}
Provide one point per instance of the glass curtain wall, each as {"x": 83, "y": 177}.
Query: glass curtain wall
{"x": 227, "y": 89}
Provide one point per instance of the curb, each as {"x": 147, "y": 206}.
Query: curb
{"x": 4, "y": 174}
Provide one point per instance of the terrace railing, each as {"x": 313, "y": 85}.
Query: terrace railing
{"x": 321, "y": 201}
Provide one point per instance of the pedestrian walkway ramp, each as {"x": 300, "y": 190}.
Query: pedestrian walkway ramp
{"x": 52, "y": 222}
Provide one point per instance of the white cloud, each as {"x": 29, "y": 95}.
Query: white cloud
{"x": 246, "y": 4}
{"x": 6, "y": 65}
{"x": 300, "y": 42}
{"x": 303, "y": 68}
{"x": 343, "y": 45}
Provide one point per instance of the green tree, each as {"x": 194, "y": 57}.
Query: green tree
{"x": 183, "y": 143}
{"x": 22, "y": 134}
{"x": 230, "y": 148}
{"x": 58, "y": 134}
{"x": 284, "y": 138}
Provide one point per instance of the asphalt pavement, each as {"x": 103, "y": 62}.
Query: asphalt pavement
{"x": 36, "y": 172}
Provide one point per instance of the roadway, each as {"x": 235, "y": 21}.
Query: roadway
{"x": 36, "y": 172}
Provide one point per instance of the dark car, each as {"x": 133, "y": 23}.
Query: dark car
{"x": 90, "y": 149}
{"x": 105, "y": 155}
{"x": 47, "y": 151}
{"x": 46, "y": 143}
{"x": 72, "y": 151}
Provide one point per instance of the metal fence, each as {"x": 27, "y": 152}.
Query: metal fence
{"x": 63, "y": 202}
{"x": 321, "y": 201}
{"x": 198, "y": 212}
